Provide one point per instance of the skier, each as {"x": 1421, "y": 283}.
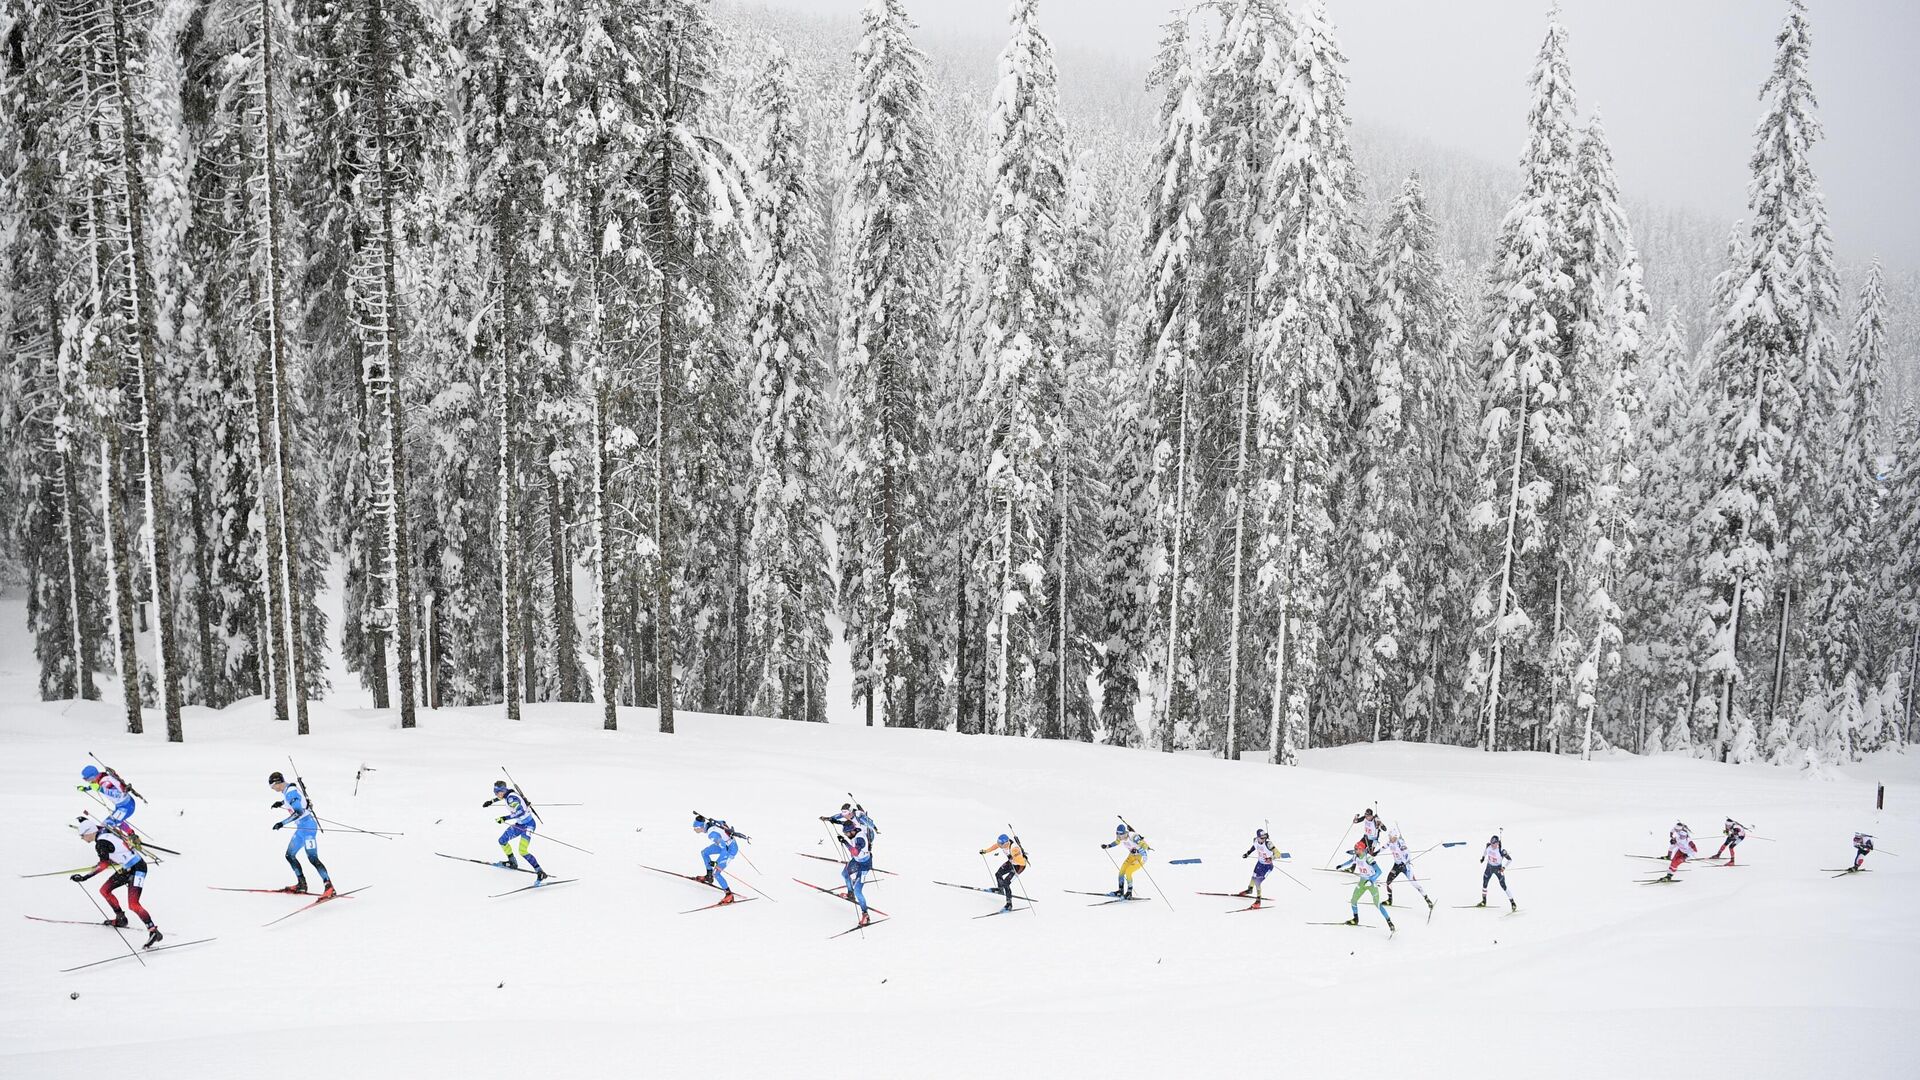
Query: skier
{"x": 1402, "y": 867}
{"x": 1263, "y": 847}
{"x": 1496, "y": 858}
{"x": 857, "y": 816}
{"x": 306, "y": 833}
{"x": 1680, "y": 848}
{"x": 1733, "y": 832}
{"x": 1137, "y": 848}
{"x": 520, "y": 824}
{"x": 1369, "y": 828}
{"x": 129, "y": 869}
{"x": 1362, "y": 864}
{"x": 720, "y": 850}
{"x": 1015, "y": 865}
{"x": 114, "y": 792}
{"x": 859, "y": 847}
{"x": 1862, "y": 843}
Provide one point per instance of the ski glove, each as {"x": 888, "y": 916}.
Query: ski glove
{"x": 278, "y": 805}
{"x": 279, "y": 825}
{"x": 1103, "y": 846}
{"x": 499, "y": 821}
{"x": 83, "y": 787}
{"x": 486, "y": 804}
{"x": 80, "y": 877}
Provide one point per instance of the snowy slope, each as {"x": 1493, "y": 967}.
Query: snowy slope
{"x": 1771, "y": 969}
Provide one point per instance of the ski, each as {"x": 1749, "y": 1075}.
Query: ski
{"x": 287, "y": 891}
{"x": 1660, "y": 881}
{"x": 999, "y": 911}
{"x": 143, "y": 952}
{"x": 71, "y": 922}
{"x": 1117, "y": 900}
{"x": 60, "y": 873}
{"x": 978, "y": 888}
{"x": 1357, "y": 926}
{"x": 1228, "y": 895}
{"x": 837, "y": 894}
{"x": 856, "y": 926}
{"x": 482, "y": 862}
{"x": 841, "y": 862}
{"x": 1083, "y": 892}
{"x": 1255, "y": 906}
{"x": 1847, "y": 873}
{"x": 309, "y": 907}
{"x": 737, "y": 899}
{"x": 695, "y": 878}
{"x": 1655, "y": 858}
{"x": 535, "y": 885}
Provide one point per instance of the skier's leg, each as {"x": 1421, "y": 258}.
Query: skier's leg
{"x": 719, "y": 872}
{"x": 293, "y": 851}
{"x": 1486, "y": 875}
{"x": 133, "y": 897}
{"x": 311, "y": 843}
{"x": 855, "y": 882}
{"x": 506, "y": 842}
{"x": 106, "y": 890}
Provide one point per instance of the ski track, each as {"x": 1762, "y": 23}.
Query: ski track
{"x": 1762, "y": 974}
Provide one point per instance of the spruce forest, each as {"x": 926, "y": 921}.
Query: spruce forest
{"x": 658, "y": 355}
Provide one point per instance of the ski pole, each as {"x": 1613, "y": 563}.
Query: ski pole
{"x": 1015, "y": 833}
{"x": 757, "y": 891}
{"x": 369, "y": 832}
{"x": 563, "y": 843}
{"x": 357, "y": 774}
{"x": 524, "y": 797}
{"x": 1343, "y": 844}
{"x": 312, "y": 807}
{"x": 131, "y": 790}
{"x": 114, "y": 923}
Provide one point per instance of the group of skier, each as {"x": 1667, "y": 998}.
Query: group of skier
{"x": 121, "y": 850}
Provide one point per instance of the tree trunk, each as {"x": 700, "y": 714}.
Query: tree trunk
{"x": 1173, "y": 591}
{"x": 603, "y": 555}
{"x": 560, "y": 565}
{"x": 1242, "y": 496}
{"x": 663, "y": 632}
{"x": 1498, "y": 664}
{"x": 140, "y": 307}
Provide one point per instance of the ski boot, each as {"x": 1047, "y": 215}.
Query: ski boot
{"x": 1429, "y": 901}
{"x": 1355, "y": 921}
{"x": 1245, "y": 892}
{"x": 1668, "y": 876}
{"x": 327, "y": 892}
{"x": 509, "y": 862}
{"x": 153, "y": 937}
{"x": 119, "y": 920}
{"x": 1482, "y": 903}
{"x": 707, "y": 878}
{"x": 1391, "y": 928}
{"x": 1129, "y": 893}
{"x": 865, "y": 918}
{"x": 728, "y": 899}
{"x": 299, "y": 886}
{"x": 540, "y": 875}
{"x": 1512, "y": 904}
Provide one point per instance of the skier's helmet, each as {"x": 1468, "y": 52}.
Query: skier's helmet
{"x": 1260, "y": 833}
{"x": 1495, "y": 840}
{"x": 499, "y": 787}
{"x": 1004, "y": 838}
{"x": 1393, "y": 834}
{"x": 88, "y": 772}
{"x": 699, "y": 822}
{"x": 1360, "y": 847}
{"x": 275, "y": 778}
{"x": 1369, "y": 812}
{"x": 1120, "y": 829}
{"x": 88, "y": 828}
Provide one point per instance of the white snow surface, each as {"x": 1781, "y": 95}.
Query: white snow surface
{"x": 1771, "y": 970}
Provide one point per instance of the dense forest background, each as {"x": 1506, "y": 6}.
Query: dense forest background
{"x": 631, "y": 350}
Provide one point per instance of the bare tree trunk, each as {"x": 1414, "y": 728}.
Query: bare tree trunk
{"x": 1498, "y": 665}
{"x": 560, "y": 563}
{"x": 140, "y": 305}
{"x": 1173, "y": 590}
{"x": 663, "y": 632}
{"x": 1242, "y": 497}
{"x": 603, "y": 555}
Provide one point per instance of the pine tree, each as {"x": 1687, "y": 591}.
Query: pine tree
{"x": 885, "y": 305}
{"x": 1175, "y": 250}
{"x": 1529, "y": 428}
{"x": 1021, "y": 351}
{"x": 1763, "y": 375}
{"x": 1903, "y": 516}
{"x": 788, "y": 587}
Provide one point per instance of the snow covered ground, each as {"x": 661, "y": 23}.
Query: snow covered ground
{"x": 1773, "y": 970}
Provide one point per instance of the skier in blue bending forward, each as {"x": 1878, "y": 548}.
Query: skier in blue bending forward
{"x": 520, "y": 824}
{"x": 114, "y": 792}
{"x": 306, "y": 833}
{"x": 720, "y": 850}
{"x": 1362, "y": 864}
{"x": 859, "y": 863}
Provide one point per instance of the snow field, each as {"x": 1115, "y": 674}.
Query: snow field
{"x": 1763, "y": 970}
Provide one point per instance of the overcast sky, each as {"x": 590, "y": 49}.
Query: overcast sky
{"x": 1676, "y": 82}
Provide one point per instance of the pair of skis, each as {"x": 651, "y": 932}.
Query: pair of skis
{"x": 1257, "y": 905}
{"x": 841, "y": 894}
{"x": 541, "y": 884}
{"x": 316, "y": 902}
{"x": 728, "y": 900}
{"x": 1006, "y": 910}
{"x": 1110, "y": 898}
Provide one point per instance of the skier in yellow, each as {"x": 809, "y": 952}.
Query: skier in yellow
{"x": 1137, "y": 848}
